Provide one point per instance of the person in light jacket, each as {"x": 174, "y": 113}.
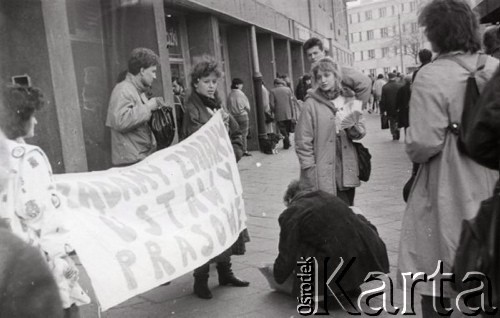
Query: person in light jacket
{"x": 129, "y": 110}
{"x": 31, "y": 207}
{"x": 239, "y": 107}
{"x": 280, "y": 100}
{"x": 449, "y": 185}
{"x": 327, "y": 157}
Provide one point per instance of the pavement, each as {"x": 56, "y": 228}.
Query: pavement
{"x": 264, "y": 178}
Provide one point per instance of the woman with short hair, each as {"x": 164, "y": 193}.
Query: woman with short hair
{"x": 449, "y": 185}
{"x": 33, "y": 209}
{"x": 201, "y": 104}
{"x": 323, "y": 139}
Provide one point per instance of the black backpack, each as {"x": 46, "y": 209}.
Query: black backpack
{"x": 471, "y": 97}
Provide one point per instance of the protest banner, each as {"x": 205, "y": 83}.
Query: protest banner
{"x": 137, "y": 227}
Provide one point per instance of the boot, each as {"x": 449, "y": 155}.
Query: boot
{"x": 226, "y": 275}
{"x": 201, "y": 288}
{"x": 201, "y": 282}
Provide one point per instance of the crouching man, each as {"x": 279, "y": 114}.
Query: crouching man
{"x": 318, "y": 225}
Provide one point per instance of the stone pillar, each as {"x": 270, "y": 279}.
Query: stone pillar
{"x": 65, "y": 86}
{"x": 257, "y": 79}
{"x": 239, "y": 47}
{"x": 266, "y": 58}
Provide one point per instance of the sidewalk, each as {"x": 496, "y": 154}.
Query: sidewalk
{"x": 264, "y": 179}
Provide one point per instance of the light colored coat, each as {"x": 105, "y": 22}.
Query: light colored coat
{"x": 449, "y": 186}
{"x": 315, "y": 144}
{"x": 237, "y": 103}
{"x": 280, "y": 100}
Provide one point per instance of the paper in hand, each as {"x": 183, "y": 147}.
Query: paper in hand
{"x": 286, "y": 287}
{"x": 350, "y": 114}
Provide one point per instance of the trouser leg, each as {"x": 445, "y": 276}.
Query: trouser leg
{"x": 347, "y": 196}
{"x": 393, "y": 125}
{"x": 284, "y": 130}
{"x": 243, "y": 123}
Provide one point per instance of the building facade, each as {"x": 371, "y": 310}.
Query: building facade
{"x": 385, "y": 35}
{"x": 488, "y": 10}
{"x": 74, "y": 50}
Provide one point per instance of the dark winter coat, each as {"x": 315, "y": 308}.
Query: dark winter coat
{"x": 197, "y": 115}
{"x": 403, "y": 105}
{"x": 388, "y": 101}
{"x": 483, "y": 139}
{"x": 27, "y": 287}
{"x": 321, "y": 225}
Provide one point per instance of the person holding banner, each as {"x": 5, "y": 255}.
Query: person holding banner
{"x": 32, "y": 209}
{"x": 202, "y": 103}
{"x": 130, "y": 111}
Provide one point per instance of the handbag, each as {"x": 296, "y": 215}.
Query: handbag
{"x": 163, "y": 126}
{"x": 478, "y": 250}
{"x": 269, "y": 117}
{"x": 384, "y": 121}
{"x": 364, "y": 161}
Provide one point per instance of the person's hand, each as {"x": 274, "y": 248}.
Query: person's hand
{"x": 385, "y": 113}
{"x": 153, "y": 104}
{"x": 161, "y": 103}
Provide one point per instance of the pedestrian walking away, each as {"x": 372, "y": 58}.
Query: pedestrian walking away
{"x": 377, "y": 91}
{"x": 388, "y": 104}
{"x": 280, "y": 100}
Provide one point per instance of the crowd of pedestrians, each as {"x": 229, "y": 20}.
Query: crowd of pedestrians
{"x": 326, "y": 114}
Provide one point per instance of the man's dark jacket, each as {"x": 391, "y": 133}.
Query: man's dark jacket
{"x": 388, "y": 101}
{"x": 320, "y": 224}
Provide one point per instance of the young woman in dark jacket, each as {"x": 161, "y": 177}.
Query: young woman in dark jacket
{"x": 200, "y": 106}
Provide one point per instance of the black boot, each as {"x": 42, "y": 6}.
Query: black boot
{"x": 226, "y": 275}
{"x": 201, "y": 282}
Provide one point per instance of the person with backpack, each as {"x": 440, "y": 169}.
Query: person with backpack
{"x": 449, "y": 185}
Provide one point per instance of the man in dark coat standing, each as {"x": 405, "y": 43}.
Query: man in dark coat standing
{"x": 280, "y": 100}
{"x": 388, "y": 104}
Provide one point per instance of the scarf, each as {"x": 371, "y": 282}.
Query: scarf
{"x": 328, "y": 95}
{"x": 212, "y": 103}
